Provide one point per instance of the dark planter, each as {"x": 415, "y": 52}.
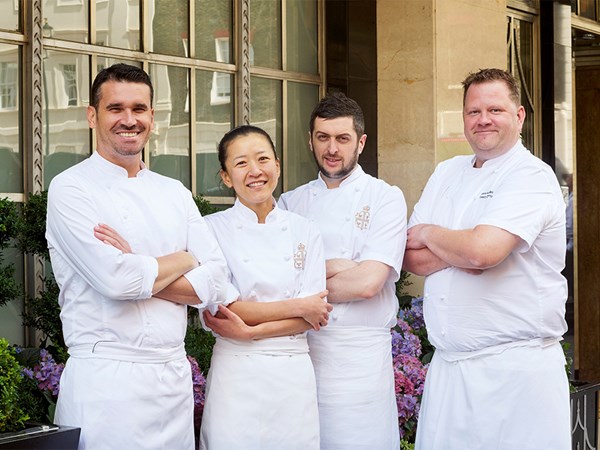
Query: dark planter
{"x": 41, "y": 437}
{"x": 584, "y": 415}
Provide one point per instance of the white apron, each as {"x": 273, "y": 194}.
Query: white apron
{"x": 261, "y": 396}
{"x": 355, "y": 379}
{"x": 97, "y": 394}
{"x": 499, "y": 398}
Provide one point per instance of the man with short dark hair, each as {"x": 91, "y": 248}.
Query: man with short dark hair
{"x": 363, "y": 224}
{"x": 489, "y": 235}
{"x": 129, "y": 249}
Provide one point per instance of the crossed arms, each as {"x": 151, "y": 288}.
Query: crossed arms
{"x": 430, "y": 248}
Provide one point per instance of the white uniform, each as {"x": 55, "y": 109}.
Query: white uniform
{"x": 363, "y": 219}
{"x": 127, "y": 383}
{"x": 262, "y": 394}
{"x": 497, "y": 379}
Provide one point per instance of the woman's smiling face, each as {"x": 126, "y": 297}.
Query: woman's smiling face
{"x": 252, "y": 170}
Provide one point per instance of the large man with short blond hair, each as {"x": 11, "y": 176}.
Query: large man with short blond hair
{"x": 489, "y": 235}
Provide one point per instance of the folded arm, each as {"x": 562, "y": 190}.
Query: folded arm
{"x": 228, "y": 324}
{"x": 479, "y": 248}
{"x": 360, "y": 281}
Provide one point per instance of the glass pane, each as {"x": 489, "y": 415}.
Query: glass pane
{"x": 587, "y": 8}
{"x": 170, "y": 140}
{"x": 11, "y": 314}
{"x": 212, "y": 26}
{"x": 301, "y": 30}
{"x": 523, "y": 72}
{"x": 265, "y": 33}
{"x": 170, "y": 27}
{"x": 66, "y": 19}
{"x": 300, "y": 163}
{"x": 11, "y": 156}
{"x": 118, "y": 23}
{"x": 66, "y": 89}
{"x": 104, "y": 62}
{"x": 9, "y": 19}
{"x": 214, "y": 117}
{"x": 265, "y": 112}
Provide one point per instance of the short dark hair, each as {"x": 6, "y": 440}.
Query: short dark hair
{"x": 486, "y": 75}
{"x": 119, "y": 72}
{"x": 232, "y": 135}
{"x": 337, "y": 105}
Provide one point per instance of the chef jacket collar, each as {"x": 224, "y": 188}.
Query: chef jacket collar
{"x": 112, "y": 169}
{"x": 494, "y": 163}
{"x": 247, "y": 214}
{"x": 354, "y": 175}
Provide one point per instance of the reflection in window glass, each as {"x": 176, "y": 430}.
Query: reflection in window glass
{"x": 118, "y": 24}
{"x": 265, "y": 112}
{"x": 212, "y": 26}
{"x": 66, "y": 19}
{"x": 107, "y": 62}
{"x": 520, "y": 57}
{"x": 169, "y": 27}
{"x": 9, "y": 19}
{"x": 170, "y": 140}
{"x": 66, "y": 136}
{"x": 213, "y": 120}
{"x": 301, "y": 30}
{"x": 300, "y": 164}
{"x": 11, "y": 317}
{"x": 11, "y": 156}
{"x": 265, "y": 33}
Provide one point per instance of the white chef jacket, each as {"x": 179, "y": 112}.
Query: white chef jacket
{"x": 524, "y": 296}
{"x": 107, "y": 309}
{"x": 497, "y": 379}
{"x": 363, "y": 219}
{"x": 262, "y": 394}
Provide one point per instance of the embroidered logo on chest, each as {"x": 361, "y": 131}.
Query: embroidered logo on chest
{"x": 362, "y": 218}
{"x": 300, "y": 257}
{"x": 487, "y": 194}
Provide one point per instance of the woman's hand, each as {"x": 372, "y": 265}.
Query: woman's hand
{"x": 228, "y": 324}
{"x": 110, "y": 237}
{"x": 315, "y": 309}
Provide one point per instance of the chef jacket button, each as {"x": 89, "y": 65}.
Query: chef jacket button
{"x": 344, "y": 251}
{"x": 443, "y": 332}
{"x": 334, "y": 317}
{"x": 246, "y": 260}
{"x": 284, "y": 228}
{"x": 287, "y": 257}
{"x": 288, "y": 294}
{"x": 239, "y": 227}
{"x": 443, "y": 297}
{"x": 347, "y": 219}
{"x": 253, "y": 294}
{"x": 426, "y": 296}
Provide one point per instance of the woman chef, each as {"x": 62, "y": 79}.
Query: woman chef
{"x": 261, "y": 391}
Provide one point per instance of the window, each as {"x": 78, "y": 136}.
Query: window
{"x": 8, "y": 85}
{"x": 70, "y": 79}
{"x": 221, "y": 86}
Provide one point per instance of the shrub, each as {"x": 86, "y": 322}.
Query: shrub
{"x": 12, "y": 413}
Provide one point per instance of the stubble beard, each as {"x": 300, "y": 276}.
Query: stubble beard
{"x": 341, "y": 173}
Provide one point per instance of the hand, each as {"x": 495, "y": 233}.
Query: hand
{"x": 416, "y": 236}
{"x": 228, "y": 324}
{"x": 110, "y": 236}
{"x": 315, "y": 310}
{"x": 337, "y": 265}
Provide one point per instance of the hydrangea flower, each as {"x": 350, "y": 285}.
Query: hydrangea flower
{"x": 409, "y": 371}
{"x": 47, "y": 373}
{"x": 199, "y": 387}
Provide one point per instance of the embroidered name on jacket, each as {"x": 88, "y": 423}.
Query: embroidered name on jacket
{"x": 487, "y": 194}
{"x": 300, "y": 257}
{"x": 362, "y": 218}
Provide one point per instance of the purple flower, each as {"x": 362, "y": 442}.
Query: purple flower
{"x": 47, "y": 373}
{"x": 199, "y": 387}
{"x": 409, "y": 372}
